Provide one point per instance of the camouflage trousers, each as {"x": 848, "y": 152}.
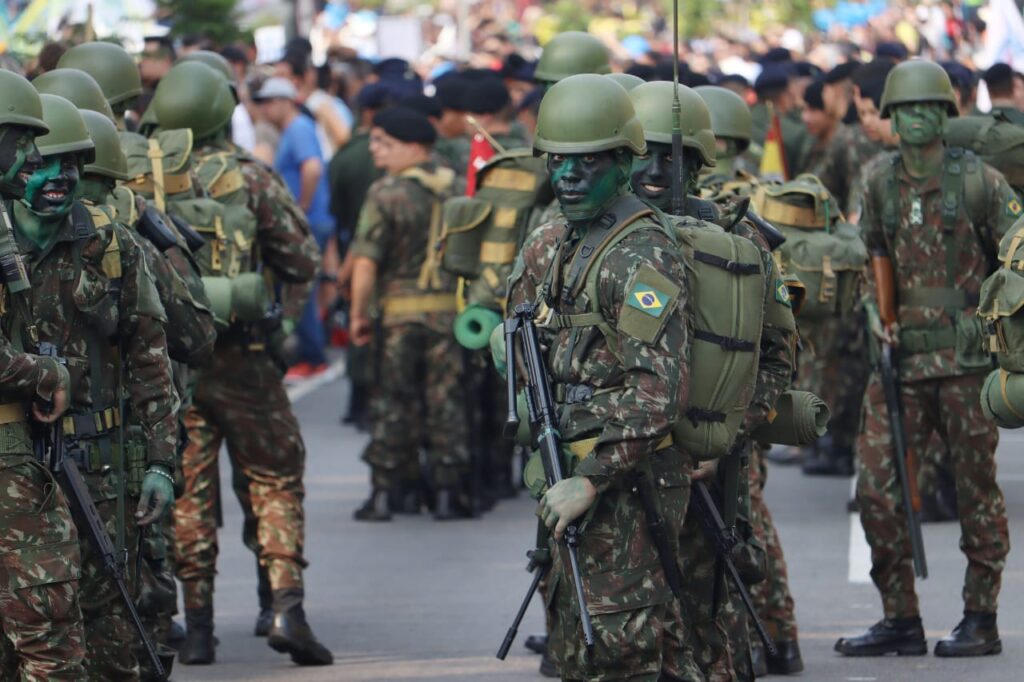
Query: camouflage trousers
{"x": 772, "y": 597}
{"x": 952, "y": 407}
{"x": 419, "y": 400}
{"x": 834, "y": 365}
{"x": 40, "y": 618}
{"x": 638, "y": 625}
{"x": 241, "y": 400}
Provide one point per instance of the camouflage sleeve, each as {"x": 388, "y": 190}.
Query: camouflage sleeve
{"x": 1004, "y": 207}
{"x": 372, "y": 233}
{"x": 286, "y": 243}
{"x": 142, "y": 317}
{"x": 871, "y": 228}
{"x": 641, "y": 287}
{"x": 25, "y": 376}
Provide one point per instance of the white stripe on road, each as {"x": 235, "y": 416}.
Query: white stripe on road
{"x": 859, "y": 553}
{"x": 300, "y": 391}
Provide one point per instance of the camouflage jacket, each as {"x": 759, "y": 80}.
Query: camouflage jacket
{"x": 842, "y": 161}
{"x": 284, "y": 241}
{"x": 918, "y": 248}
{"x": 73, "y": 306}
{"x": 395, "y": 232}
{"x": 638, "y": 390}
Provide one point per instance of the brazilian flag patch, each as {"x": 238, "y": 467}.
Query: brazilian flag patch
{"x": 647, "y": 299}
{"x": 1013, "y": 207}
{"x": 782, "y": 293}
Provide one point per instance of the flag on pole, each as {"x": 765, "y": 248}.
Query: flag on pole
{"x": 480, "y": 152}
{"x": 773, "y": 159}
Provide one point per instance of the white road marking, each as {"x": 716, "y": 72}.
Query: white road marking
{"x": 859, "y": 562}
{"x": 300, "y": 391}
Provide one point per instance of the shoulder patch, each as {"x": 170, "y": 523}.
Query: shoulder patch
{"x": 649, "y": 301}
{"x": 782, "y": 293}
{"x": 1013, "y": 207}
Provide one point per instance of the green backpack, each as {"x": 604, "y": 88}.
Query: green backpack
{"x": 727, "y": 292}
{"x": 231, "y": 243}
{"x": 826, "y": 254}
{"x": 994, "y": 138}
{"x": 482, "y": 234}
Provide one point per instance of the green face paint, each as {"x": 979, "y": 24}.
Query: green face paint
{"x": 585, "y": 183}
{"x": 50, "y": 191}
{"x": 17, "y": 146}
{"x": 920, "y": 123}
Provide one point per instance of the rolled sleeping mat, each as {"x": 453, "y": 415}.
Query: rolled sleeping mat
{"x": 800, "y": 419}
{"x": 474, "y": 325}
{"x": 1002, "y": 398}
{"x": 250, "y": 299}
{"x": 218, "y": 290}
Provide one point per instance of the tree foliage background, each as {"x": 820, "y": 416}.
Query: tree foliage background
{"x": 213, "y": 19}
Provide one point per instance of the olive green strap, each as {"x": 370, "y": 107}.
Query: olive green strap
{"x": 934, "y": 297}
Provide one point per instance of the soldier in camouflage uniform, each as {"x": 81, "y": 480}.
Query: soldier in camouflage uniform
{"x": 40, "y": 618}
{"x": 239, "y": 397}
{"x": 112, "y": 297}
{"x": 634, "y": 394}
{"x": 419, "y": 394}
{"x": 938, "y": 214}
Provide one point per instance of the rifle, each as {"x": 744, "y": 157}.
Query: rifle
{"x": 905, "y": 460}
{"x": 725, "y": 539}
{"x": 541, "y": 408}
{"x": 53, "y": 453}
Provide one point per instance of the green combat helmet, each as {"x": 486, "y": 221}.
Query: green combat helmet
{"x": 110, "y": 161}
{"x": 194, "y": 96}
{"x": 653, "y": 104}
{"x": 587, "y": 113}
{"x": 730, "y": 115}
{"x": 571, "y": 53}
{"x": 111, "y": 66}
{"x": 215, "y": 62}
{"x": 77, "y": 87}
{"x": 67, "y": 130}
{"x": 626, "y": 80}
{"x": 918, "y": 81}
{"x": 20, "y": 104}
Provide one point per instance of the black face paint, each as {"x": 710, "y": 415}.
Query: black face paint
{"x": 585, "y": 183}
{"x": 50, "y": 191}
{"x": 17, "y": 147}
{"x": 651, "y": 176}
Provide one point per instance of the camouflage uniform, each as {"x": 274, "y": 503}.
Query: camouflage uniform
{"x": 631, "y": 617}
{"x": 937, "y": 392}
{"x": 76, "y": 316}
{"x": 842, "y": 161}
{"x": 240, "y": 399}
{"x": 40, "y": 618}
{"x": 419, "y": 395}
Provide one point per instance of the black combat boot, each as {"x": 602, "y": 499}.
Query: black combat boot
{"x": 975, "y": 635}
{"x": 548, "y": 668}
{"x": 376, "y": 508}
{"x": 175, "y": 635}
{"x": 758, "y": 659}
{"x": 538, "y": 644}
{"x": 448, "y": 506}
{"x": 903, "y": 636}
{"x": 266, "y": 617}
{"x": 787, "y": 660}
{"x": 291, "y": 634}
{"x": 198, "y": 648}
{"x": 408, "y": 498}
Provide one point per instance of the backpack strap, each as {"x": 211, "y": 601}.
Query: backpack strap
{"x": 156, "y": 162}
{"x": 890, "y": 194}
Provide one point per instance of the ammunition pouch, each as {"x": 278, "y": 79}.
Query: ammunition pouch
{"x": 244, "y": 298}
{"x": 970, "y": 351}
{"x": 462, "y": 235}
{"x": 914, "y": 341}
{"x": 91, "y": 424}
{"x": 15, "y": 430}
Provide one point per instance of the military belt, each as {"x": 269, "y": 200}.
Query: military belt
{"x": 582, "y": 448}
{"x": 173, "y": 184}
{"x": 914, "y": 341}
{"x": 417, "y": 304}
{"x": 938, "y": 297}
{"x": 91, "y": 458}
{"x": 91, "y": 424}
{"x": 12, "y": 412}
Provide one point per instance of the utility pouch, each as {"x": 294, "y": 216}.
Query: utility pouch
{"x": 970, "y": 351}
{"x": 462, "y": 236}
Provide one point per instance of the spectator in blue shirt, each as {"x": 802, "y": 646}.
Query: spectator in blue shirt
{"x": 299, "y": 161}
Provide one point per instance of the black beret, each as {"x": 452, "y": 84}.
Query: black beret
{"x": 517, "y": 68}
{"x": 486, "y": 96}
{"x": 645, "y": 71}
{"x": 806, "y": 70}
{"x": 813, "y": 95}
{"x": 450, "y": 90}
{"x": 892, "y": 49}
{"x": 392, "y": 67}
{"x": 405, "y": 125}
{"x": 373, "y": 96}
{"x": 776, "y": 55}
{"x": 734, "y": 78}
{"x": 998, "y": 73}
{"x": 428, "y": 106}
{"x": 841, "y": 72}
{"x": 961, "y": 77}
{"x": 772, "y": 77}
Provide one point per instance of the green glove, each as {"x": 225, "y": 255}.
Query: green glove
{"x": 157, "y": 495}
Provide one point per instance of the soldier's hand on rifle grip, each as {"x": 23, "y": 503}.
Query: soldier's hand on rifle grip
{"x": 360, "y": 331}
{"x": 705, "y": 470}
{"x": 565, "y": 502}
{"x": 49, "y": 411}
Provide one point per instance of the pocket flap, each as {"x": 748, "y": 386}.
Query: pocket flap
{"x": 43, "y": 564}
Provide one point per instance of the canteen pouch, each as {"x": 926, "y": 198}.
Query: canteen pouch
{"x": 970, "y": 349}
{"x": 1002, "y": 398}
{"x": 461, "y": 237}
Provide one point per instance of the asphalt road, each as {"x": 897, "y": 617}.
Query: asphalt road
{"x": 418, "y": 600}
